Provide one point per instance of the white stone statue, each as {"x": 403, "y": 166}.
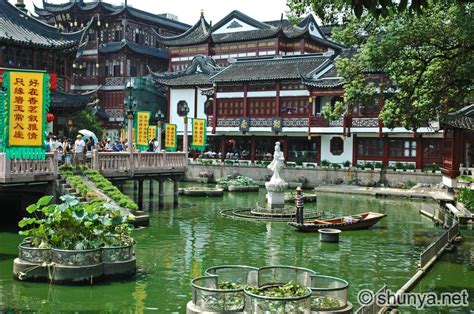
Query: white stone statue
{"x": 276, "y": 164}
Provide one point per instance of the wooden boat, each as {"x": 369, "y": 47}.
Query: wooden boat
{"x": 354, "y": 222}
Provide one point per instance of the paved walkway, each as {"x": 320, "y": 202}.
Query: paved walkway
{"x": 422, "y": 193}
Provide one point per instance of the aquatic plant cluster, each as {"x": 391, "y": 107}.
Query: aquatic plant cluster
{"x": 72, "y": 225}
{"x": 236, "y": 181}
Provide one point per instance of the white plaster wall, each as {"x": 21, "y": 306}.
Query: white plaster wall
{"x": 175, "y": 96}
{"x": 326, "y": 153}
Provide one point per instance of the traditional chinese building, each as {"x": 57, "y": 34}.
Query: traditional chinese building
{"x": 458, "y": 145}
{"x": 122, "y": 43}
{"x": 238, "y": 35}
{"x": 28, "y": 43}
{"x": 276, "y": 81}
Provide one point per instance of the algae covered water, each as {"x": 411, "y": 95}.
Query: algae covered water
{"x": 182, "y": 242}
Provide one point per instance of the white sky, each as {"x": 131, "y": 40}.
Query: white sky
{"x": 188, "y": 11}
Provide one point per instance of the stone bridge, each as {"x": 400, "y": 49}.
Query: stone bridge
{"x": 113, "y": 165}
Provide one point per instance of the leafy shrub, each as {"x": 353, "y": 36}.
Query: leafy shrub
{"x": 335, "y": 166}
{"x": 110, "y": 190}
{"x": 399, "y": 166}
{"x": 347, "y": 164}
{"x": 378, "y": 165}
{"x": 410, "y": 167}
{"x": 291, "y": 164}
{"x": 369, "y": 165}
{"x": 466, "y": 196}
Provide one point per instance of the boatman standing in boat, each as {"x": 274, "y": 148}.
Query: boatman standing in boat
{"x": 299, "y": 206}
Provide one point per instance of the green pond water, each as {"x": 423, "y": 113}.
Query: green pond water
{"x": 182, "y": 242}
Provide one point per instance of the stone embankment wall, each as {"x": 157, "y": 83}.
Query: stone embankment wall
{"x": 317, "y": 176}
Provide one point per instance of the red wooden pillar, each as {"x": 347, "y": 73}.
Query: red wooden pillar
{"x": 277, "y": 99}
{"x": 246, "y": 87}
{"x": 419, "y": 152}
{"x": 214, "y": 114}
{"x": 252, "y": 149}
{"x": 354, "y": 149}
{"x": 223, "y": 148}
{"x": 385, "y": 150}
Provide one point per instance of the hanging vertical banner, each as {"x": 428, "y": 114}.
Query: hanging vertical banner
{"x": 171, "y": 137}
{"x": 199, "y": 134}
{"x": 2, "y": 121}
{"x": 123, "y": 134}
{"x": 141, "y": 125}
{"x": 151, "y": 132}
{"x": 26, "y": 104}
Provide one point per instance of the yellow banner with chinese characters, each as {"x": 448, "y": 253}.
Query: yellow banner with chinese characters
{"x": 142, "y": 129}
{"x": 171, "y": 137}
{"x": 151, "y": 132}
{"x": 199, "y": 134}
{"x": 26, "y": 109}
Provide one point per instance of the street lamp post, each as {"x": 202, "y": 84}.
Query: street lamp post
{"x": 159, "y": 118}
{"x": 131, "y": 103}
{"x": 183, "y": 110}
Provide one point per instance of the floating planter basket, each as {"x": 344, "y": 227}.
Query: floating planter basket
{"x": 271, "y": 289}
{"x": 33, "y": 255}
{"x": 243, "y": 188}
{"x": 329, "y": 293}
{"x": 112, "y": 254}
{"x": 77, "y": 257}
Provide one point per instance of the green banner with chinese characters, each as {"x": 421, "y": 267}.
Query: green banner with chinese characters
{"x": 26, "y": 102}
{"x": 199, "y": 134}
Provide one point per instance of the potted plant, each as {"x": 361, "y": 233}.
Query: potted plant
{"x": 378, "y": 165}
{"x": 335, "y": 166}
{"x": 410, "y": 167}
{"x": 369, "y": 166}
{"x": 324, "y": 163}
{"x": 346, "y": 164}
{"x": 291, "y": 164}
{"x": 360, "y": 166}
{"x": 437, "y": 168}
{"x": 399, "y": 166}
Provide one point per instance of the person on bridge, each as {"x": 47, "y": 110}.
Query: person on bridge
{"x": 79, "y": 150}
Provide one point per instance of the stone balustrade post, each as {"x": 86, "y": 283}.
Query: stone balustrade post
{"x": 95, "y": 159}
{"x": 54, "y": 163}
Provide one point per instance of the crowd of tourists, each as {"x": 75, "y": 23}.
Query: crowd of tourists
{"x": 69, "y": 151}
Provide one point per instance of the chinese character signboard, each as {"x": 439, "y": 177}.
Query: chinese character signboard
{"x": 26, "y": 103}
{"x": 276, "y": 124}
{"x": 244, "y": 124}
{"x": 151, "y": 132}
{"x": 141, "y": 126}
{"x": 171, "y": 137}
{"x": 199, "y": 134}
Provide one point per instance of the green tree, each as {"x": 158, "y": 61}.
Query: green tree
{"x": 426, "y": 59}
{"x": 86, "y": 120}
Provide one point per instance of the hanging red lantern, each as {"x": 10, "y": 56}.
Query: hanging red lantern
{"x": 49, "y": 117}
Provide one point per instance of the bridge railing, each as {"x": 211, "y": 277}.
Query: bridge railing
{"x": 20, "y": 170}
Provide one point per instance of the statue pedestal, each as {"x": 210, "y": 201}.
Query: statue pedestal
{"x": 276, "y": 194}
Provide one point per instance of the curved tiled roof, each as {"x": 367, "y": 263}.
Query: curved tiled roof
{"x": 461, "y": 119}
{"x": 63, "y": 100}
{"x": 260, "y": 69}
{"x": 49, "y": 8}
{"x": 196, "y": 74}
{"x": 329, "y": 79}
{"x": 19, "y": 28}
{"x": 115, "y": 46}
{"x": 197, "y": 34}
{"x": 202, "y": 32}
